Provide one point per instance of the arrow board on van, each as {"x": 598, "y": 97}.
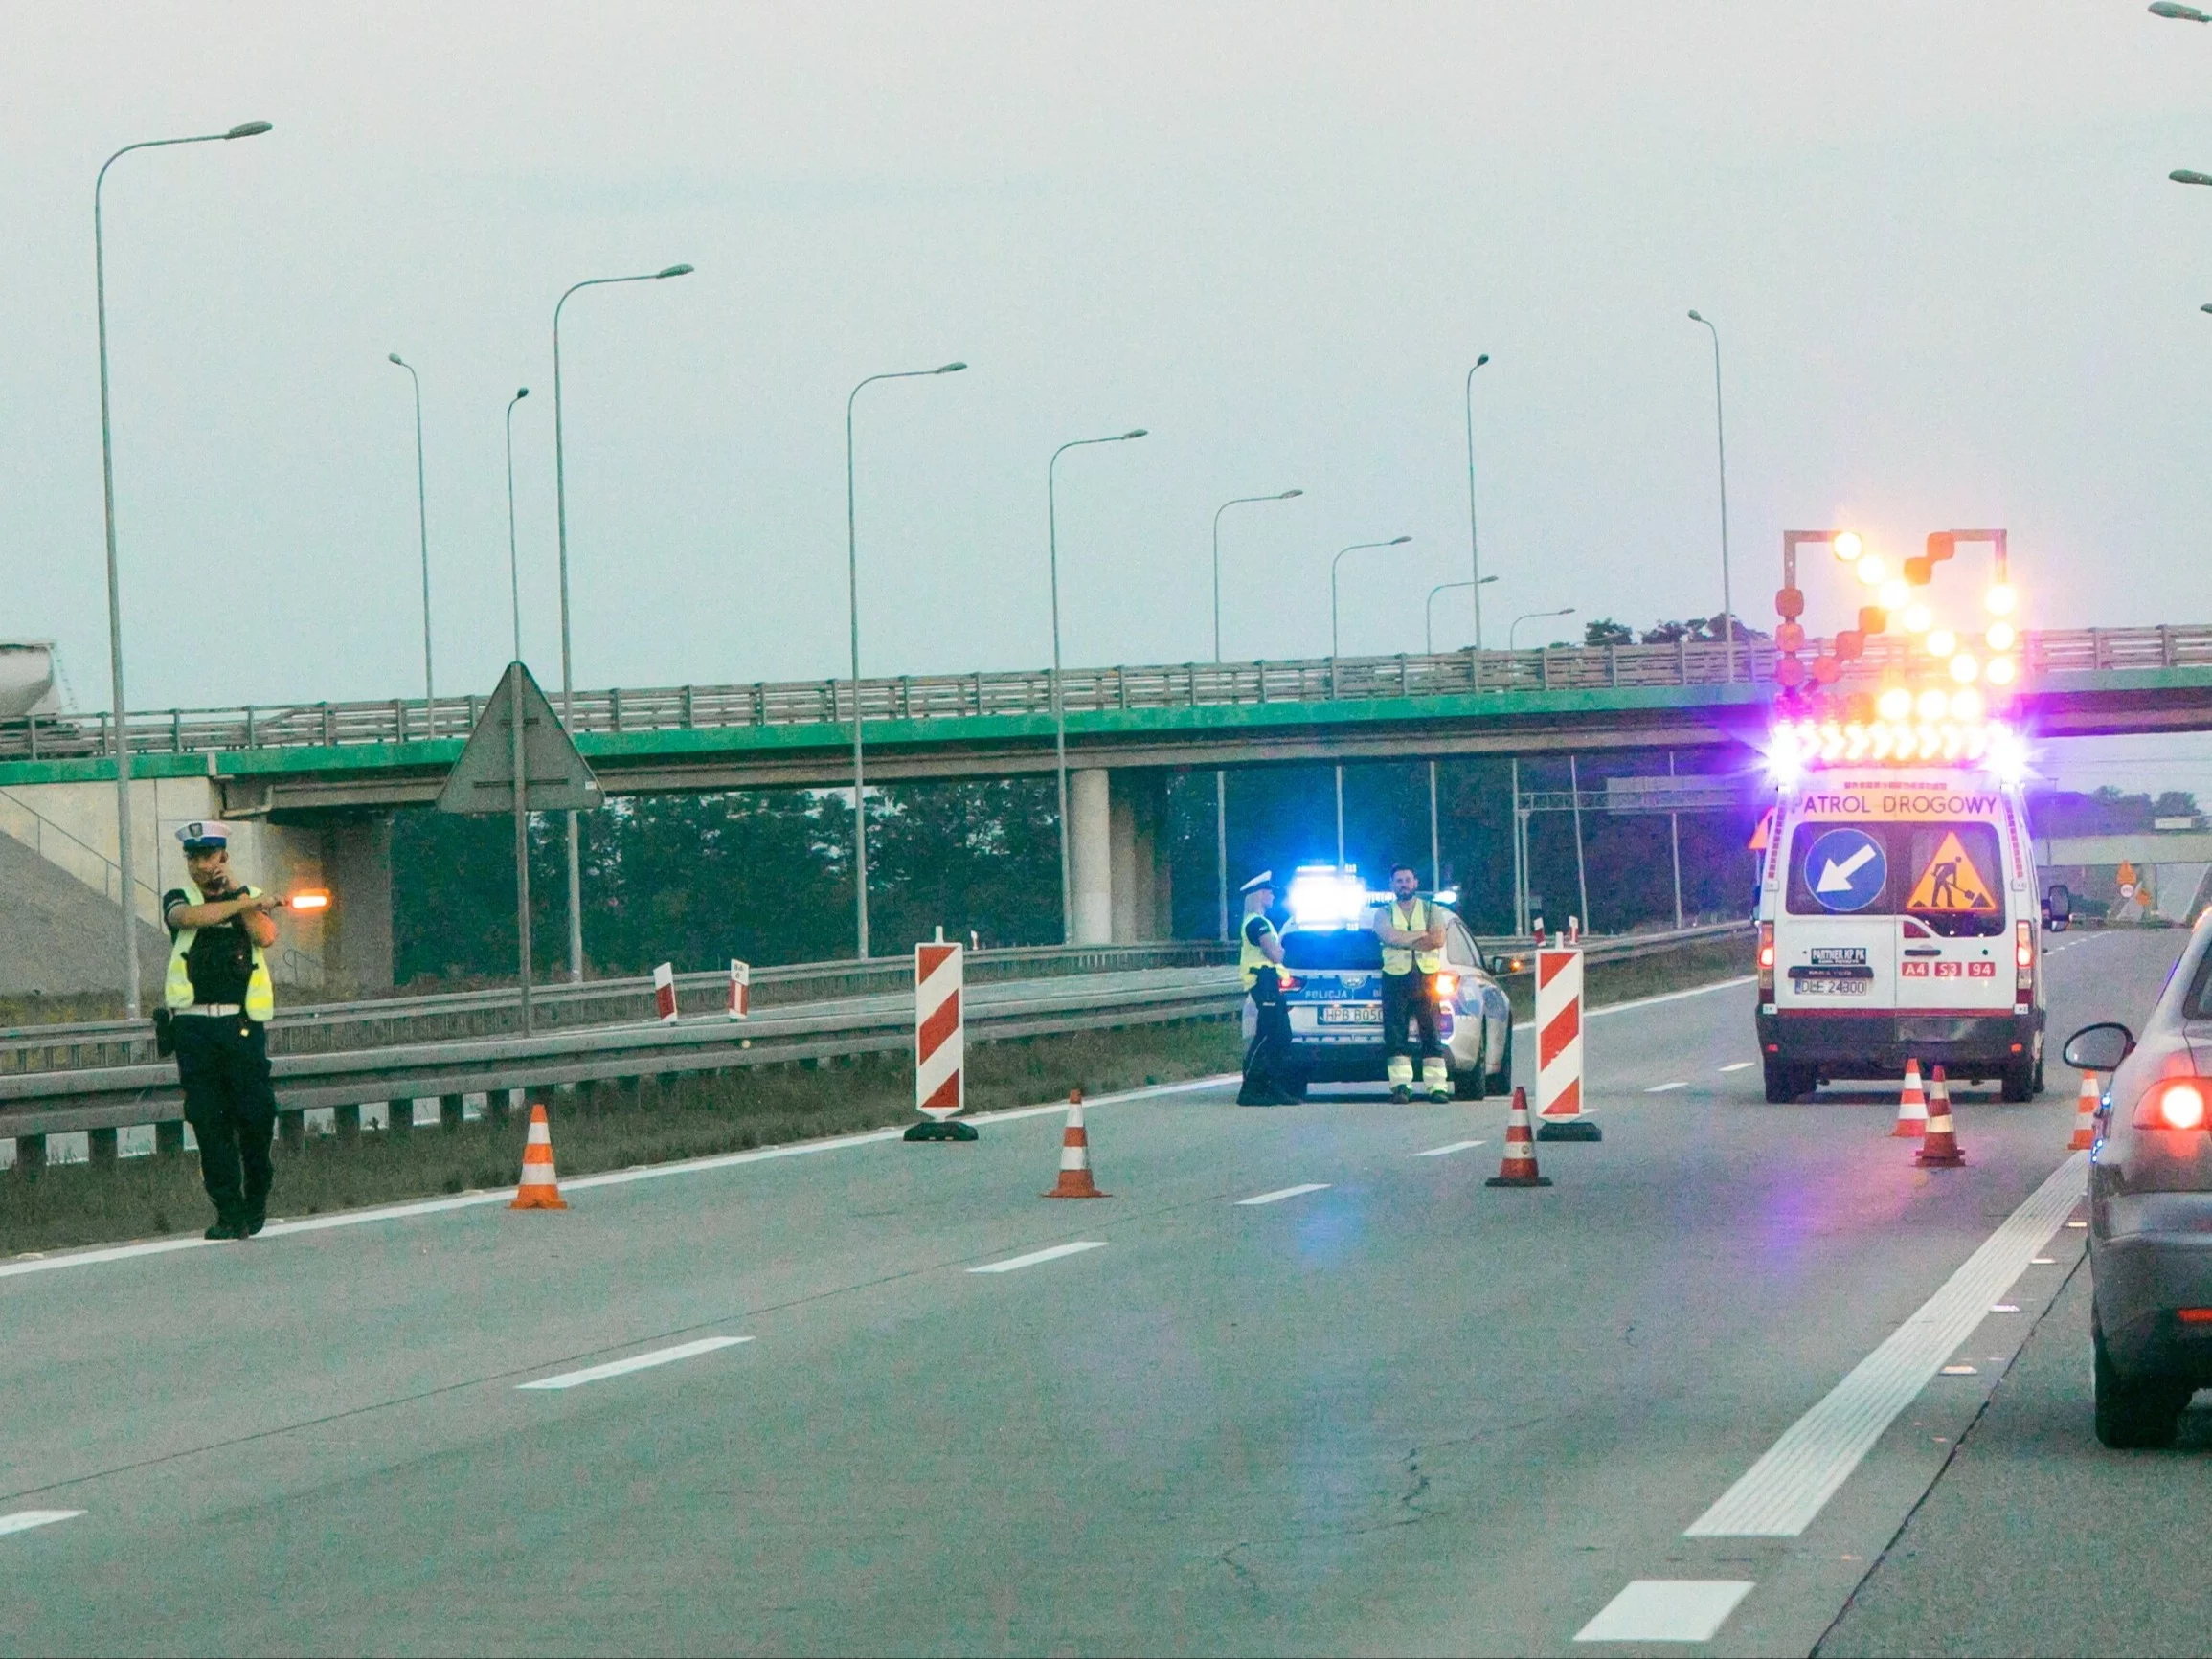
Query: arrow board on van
{"x": 1845, "y": 870}
{"x": 556, "y": 777}
{"x": 1951, "y": 885}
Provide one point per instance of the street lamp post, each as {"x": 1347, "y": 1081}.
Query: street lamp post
{"x": 853, "y": 597}
{"x": 513, "y": 559}
{"x": 1429, "y": 611}
{"x": 1355, "y": 548}
{"x": 521, "y": 790}
{"x": 1474, "y": 543}
{"x": 1513, "y": 633}
{"x": 1721, "y": 437}
{"x": 422, "y": 526}
{"x": 561, "y": 521}
{"x": 125, "y": 882}
{"x": 1059, "y": 707}
{"x": 1220, "y": 776}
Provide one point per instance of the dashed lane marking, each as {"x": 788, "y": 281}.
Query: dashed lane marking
{"x": 1740, "y": 1065}
{"x": 1053, "y": 1254}
{"x": 1447, "y": 1151}
{"x": 1276, "y": 1196}
{"x": 635, "y": 1362}
{"x": 1665, "y": 1088}
{"x": 23, "y": 1520}
{"x": 1667, "y": 1611}
{"x": 1778, "y": 1496}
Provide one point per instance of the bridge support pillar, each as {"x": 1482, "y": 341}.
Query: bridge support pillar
{"x": 1091, "y": 856}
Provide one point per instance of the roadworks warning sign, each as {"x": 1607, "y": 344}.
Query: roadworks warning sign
{"x": 1951, "y": 885}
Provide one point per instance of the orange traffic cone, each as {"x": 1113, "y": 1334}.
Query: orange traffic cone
{"x": 1912, "y": 1106}
{"x": 1075, "y": 1180}
{"x": 1517, "y": 1169}
{"x": 2086, "y": 1115}
{"x": 1940, "y": 1150}
{"x": 538, "y": 1190}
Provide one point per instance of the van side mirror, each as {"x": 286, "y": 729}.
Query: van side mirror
{"x": 2058, "y": 907}
{"x": 2099, "y": 1048}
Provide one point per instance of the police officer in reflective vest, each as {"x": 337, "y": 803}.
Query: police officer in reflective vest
{"x": 1412, "y": 931}
{"x": 218, "y": 1000}
{"x": 1267, "y": 1081}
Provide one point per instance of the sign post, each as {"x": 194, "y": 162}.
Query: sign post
{"x": 939, "y": 1047}
{"x": 520, "y": 760}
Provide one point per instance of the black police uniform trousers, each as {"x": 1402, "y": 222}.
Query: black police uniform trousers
{"x": 1267, "y": 1056}
{"x": 223, "y": 1063}
{"x": 1409, "y": 996}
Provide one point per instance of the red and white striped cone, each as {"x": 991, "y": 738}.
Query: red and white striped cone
{"x": 1517, "y": 1169}
{"x": 1940, "y": 1150}
{"x": 939, "y": 1043}
{"x": 1912, "y": 1106}
{"x": 1075, "y": 1180}
{"x": 2086, "y": 1115}
{"x": 538, "y": 1190}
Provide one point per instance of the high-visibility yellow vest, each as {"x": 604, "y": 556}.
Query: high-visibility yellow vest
{"x": 1417, "y": 917}
{"x": 1250, "y": 957}
{"x": 176, "y": 992}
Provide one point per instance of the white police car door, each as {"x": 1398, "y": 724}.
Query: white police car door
{"x": 1834, "y": 949}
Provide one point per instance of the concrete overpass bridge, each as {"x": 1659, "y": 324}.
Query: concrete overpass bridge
{"x": 319, "y": 781}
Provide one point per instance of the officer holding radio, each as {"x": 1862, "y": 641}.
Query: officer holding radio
{"x": 216, "y": 999}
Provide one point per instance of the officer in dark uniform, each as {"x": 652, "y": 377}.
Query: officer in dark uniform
{"x": 217, "y": 998}
{"x": 1267, "y": 1076}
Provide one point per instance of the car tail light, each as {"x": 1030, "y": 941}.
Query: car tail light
{"x": 2175, "y": 1103}
{"x": 2195, "y": 1316}
{"x": 1446, "y": 984}
{"x": 1766, "y": 959}
{"x": 1286, "y": 981}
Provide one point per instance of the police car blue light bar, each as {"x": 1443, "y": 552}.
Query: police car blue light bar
{"x": 1325, "y": 896}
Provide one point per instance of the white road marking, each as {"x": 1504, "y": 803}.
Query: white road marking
{"x": 1035, "y": 1256}
{"x": 1447, "y": 1151}
{"x": 635, "y": 1362}
{"x": 1652, "y": 1002}
{"x": 23, "y": 1520}
{"x": 1281, "y": 1193}
{"x": 1740, "y": 1065}
{"x": 1665, "y": 1088}
{"x": 1779, "y": 1494}
{"x": 2004, "y": 1308}
{"x": 32, "y": 1262}
{"x": 2043, "y": 1261}
{"x": 1960, "y": 1371}
{"x": 1667, "y": 1611}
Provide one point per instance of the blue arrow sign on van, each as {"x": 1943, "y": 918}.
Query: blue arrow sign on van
{"x": 1846, "y": 870}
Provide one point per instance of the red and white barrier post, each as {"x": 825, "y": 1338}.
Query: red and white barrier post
{"x": 665, "y": 993}
{"x": 1560, "y": 1114}
{"x": 940, "y": 1078}
{"x": 740, "y": 1004}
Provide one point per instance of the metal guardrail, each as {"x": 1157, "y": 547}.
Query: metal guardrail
{"x": 329, "y": 1027}
{"x": 402, "y": 720}
{"x": 108, "y": 1098}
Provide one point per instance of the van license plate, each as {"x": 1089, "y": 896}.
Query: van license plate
{"x": 1351, "y": 1014}
{"x": 1832, "y": 987}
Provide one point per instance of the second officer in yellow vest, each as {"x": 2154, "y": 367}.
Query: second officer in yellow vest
{"x": 1412, "y": 930}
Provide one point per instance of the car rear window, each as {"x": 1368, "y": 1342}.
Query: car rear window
{"x": 1341, "y": 948}
{"x": 1946, "y": 876}
{"x": 2198, "y": 1005}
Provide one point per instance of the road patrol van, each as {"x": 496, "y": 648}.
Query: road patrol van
{"x": 1898, "y": 913}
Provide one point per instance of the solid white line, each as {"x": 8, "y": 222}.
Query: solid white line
{"x": 1447, "y": 1151}
{"x": 635, "y": 1362}
{"x": 1740, "y": 1065}
{"x": 1666, "y": 1610}
{"x": 1277, "y": 1197}
{"x": 1778, "y": 1496}
{"x": 1652, "y": 1002}
{"x": 1665, "y": 1088}
{"x": 1035, "y": 1256}
{"x": 614, "y": 1177}
{"x": 23, "y": 1520}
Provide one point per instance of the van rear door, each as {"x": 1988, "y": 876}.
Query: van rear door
{"x": 1836, "y": 947}
{"x": 1953, "y": 947}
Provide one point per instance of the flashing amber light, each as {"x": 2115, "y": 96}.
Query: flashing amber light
{"x": 1917, "y": 619}
{"x": 1966, "y": 668}
{"x": 1894, "y": 704}
{"x": 1872, "y": 571}
{"x": 2001, "y": 635}
{"x": 2002, "y": 671}
{"x": 1934, "y": 705}
{"x": 1894, "y": 595}
{"x": 1848, "y": 546}
{"x": 2173, "y": 1103}
{"x": 2000, "y": 600}
{"x": 1941, "y": 642}
{"x": 313, "y": 899}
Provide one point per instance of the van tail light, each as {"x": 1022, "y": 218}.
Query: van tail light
{"x": 2023, "y": 955}
{"x": 1446, "y": 984}
{"x": 1767, "y": 959}
{"x": 2175, "y": 1103}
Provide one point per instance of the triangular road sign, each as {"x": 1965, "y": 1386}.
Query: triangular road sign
{"x": 1951, "y": 884}
{"x": 558, "y": 778}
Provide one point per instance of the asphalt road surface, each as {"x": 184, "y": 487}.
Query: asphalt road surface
{"x": 1303, "y": 1383}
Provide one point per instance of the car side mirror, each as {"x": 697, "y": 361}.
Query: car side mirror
{"x": 2099, "y": 1048}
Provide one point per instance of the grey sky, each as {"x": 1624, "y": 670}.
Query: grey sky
{"x": 1953, "y": 284}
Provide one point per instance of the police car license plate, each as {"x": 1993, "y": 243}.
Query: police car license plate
{"x": 1351, "y": 1014}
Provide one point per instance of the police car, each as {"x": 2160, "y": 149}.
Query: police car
{"x": 1332, "y": 990}
{"x": 1898, "y": 920}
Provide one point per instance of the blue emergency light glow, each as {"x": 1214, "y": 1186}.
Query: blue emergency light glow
{"x": 1324, "y": 896}
{"x": 1797, "y": 746}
